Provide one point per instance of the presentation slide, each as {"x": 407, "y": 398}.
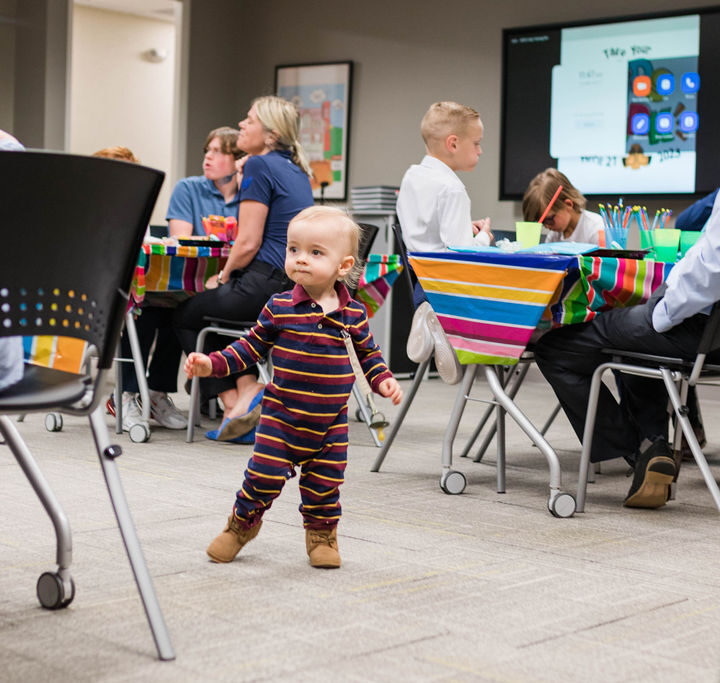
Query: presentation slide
{"x": 624, "y": 113}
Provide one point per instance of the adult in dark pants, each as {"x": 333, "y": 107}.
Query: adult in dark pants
{"x": 274, "y": 187}
{"x": 671, "y": 323}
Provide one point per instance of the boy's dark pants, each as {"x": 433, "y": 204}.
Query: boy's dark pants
{"x": 568, "y": 356}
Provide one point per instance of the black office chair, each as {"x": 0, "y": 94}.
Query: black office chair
{"x": 677, "y": 374}
{"x": 80, "y": 222}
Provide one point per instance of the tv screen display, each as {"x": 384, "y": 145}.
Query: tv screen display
{"x": 624, "y": 106}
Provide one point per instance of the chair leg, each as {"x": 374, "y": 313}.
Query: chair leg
{"x": 681, "y": 413}
{"x": 129, "y": 536}
{"x": 51, "y": 504}
{"x": 407, "y": 401}
{"x": 551, "y": 419}
{"x": 365, "y": 413}
{"x": 194, "y": 411}
{"x": 588, "y": 435}
{"x": 139, "y": 366}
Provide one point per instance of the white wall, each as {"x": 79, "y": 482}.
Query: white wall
{"x": 117, "y": 97}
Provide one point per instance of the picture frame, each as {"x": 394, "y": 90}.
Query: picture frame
{"x": 322, "y": 94}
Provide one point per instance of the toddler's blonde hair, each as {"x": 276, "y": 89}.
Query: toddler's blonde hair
{"x": 541, "y": 190}
{"x": 344, "y": 224}
{"x": 446, "y": 118}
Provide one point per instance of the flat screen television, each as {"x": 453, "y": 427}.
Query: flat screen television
{"x": 625, "y": 106}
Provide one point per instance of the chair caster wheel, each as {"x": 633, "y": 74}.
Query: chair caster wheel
{"x": 453, "y": 483}
{"x": 139, "y": 433}
{"x": 51, "y": 592}
{"x": 53, "y": 422}
{"x": 562, "y": 505}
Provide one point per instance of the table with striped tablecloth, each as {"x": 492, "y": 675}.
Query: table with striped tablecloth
{"x": 490, "y": 305}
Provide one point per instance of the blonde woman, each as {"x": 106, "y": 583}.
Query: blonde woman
{"x": 274, "y": 180}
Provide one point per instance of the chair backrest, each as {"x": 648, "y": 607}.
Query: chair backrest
{"x": 407, "y": 270}
{"x": 367, "y": 237}
{"x": 72, "y": 228}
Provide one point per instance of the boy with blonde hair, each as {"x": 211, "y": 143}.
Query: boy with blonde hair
{"x": 433, "y": 205}
{"x": 303, "y": 419}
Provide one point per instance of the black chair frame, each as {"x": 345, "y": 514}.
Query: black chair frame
{"x": 88, "y": 221}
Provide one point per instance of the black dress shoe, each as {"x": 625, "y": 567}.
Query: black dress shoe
{"x": 654, "y": 472}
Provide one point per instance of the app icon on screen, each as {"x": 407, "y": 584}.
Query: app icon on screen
{"x": 688, "y": 122}
{"x": 690, "y": 82}
{"x": 665, "y": 84}
{"x": 664, "y": 123}
{"x": 640, "y": 124}
{"x": 641, "y": 86}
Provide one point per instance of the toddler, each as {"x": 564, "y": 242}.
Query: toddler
{"x": 567, "y": 220}
{"x": 303, "y": 422}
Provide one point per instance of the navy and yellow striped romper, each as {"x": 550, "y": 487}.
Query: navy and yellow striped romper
{"x": 304, "y": 409}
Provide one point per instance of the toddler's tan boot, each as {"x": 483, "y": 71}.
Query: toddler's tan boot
{"x": 229, "y": 543}
{"x": 322, "y": 548}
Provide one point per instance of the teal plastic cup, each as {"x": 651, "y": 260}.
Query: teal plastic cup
{"x": 667, "y": 243}
{"x": 528, "y": 233}
{"x": 687, "y": 239}
{"x": 646, "y": 242}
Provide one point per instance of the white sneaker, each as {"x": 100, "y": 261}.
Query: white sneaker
{"x": 131, "y": 413}
{"x": 164, "y": 412}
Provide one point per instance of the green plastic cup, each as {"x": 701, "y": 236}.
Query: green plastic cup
{"x": 687, "y": 239}
{"x": 528, "y": 233}
{"x": 667, "y": 242}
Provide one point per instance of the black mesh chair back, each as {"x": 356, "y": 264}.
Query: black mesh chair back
{"x": 409, "y": 275}
{"x": 72, "y": 229}
{"x": 368, "y": 232}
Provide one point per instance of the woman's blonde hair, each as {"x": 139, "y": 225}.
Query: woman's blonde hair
{"x": 446, "y": 118}
{"x": 541, "y": 190}
{"x": 281, "y": 118}
{"x": 342, "y": 223}
{"x": 228, "y": 140}
{"x": 120, "y": 153}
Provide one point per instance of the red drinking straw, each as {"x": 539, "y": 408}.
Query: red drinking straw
{"x": 549, "y": 206}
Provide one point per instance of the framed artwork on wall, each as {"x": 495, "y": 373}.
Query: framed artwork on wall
{"x": 321, "y": 92}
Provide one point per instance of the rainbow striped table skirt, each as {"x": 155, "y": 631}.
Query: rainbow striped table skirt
{"x": 490, "y": 304}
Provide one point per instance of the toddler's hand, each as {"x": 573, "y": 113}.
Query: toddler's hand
{"x": 389, "y": 388}
{"x": 197, "y": 365}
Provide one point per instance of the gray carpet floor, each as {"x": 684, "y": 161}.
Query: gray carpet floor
{"x": 475, "y": 587}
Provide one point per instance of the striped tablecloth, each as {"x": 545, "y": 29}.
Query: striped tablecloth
{"x": 166, "y": 268}
{"x": 381, "y": 271}
{"x": 489, "y": 304}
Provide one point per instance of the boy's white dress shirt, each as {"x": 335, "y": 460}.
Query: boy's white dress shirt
{"x": 434, "y": 209}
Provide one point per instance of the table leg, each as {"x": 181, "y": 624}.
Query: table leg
{"x": 559, "y": 503}
{"x": 451, "y": 481}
